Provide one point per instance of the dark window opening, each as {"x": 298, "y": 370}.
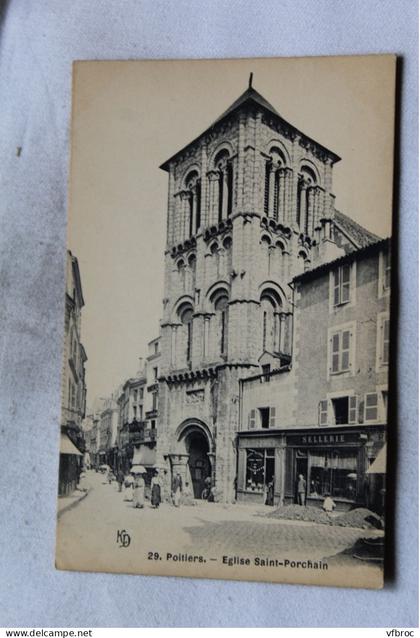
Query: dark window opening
{"x": 191, "y": 213}
{"x": 229, "y": 188}
{"x": 198, "y": 211}
{"x": 266, "y": 371}
{"x": 220, "y": 195}
{"x": 341, "y": 410}
{"x": 264, "y": 417}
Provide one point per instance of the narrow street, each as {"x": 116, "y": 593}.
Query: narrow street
{"x": 87, "y": 539}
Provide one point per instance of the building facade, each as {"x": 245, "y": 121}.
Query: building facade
{"x": 131, "y": 418}
{"x": 250, "y": 207}
{"x": 324, "y": 417}
{"x": 73, "y": 389}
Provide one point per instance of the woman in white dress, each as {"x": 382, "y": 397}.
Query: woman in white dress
{"x": 128, "y": 487}
{"x": 138, "y": 491}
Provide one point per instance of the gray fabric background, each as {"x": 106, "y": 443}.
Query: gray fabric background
{"x": 40, "y": 38}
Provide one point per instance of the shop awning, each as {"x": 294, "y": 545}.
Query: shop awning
{"x": 144, "y": 455}
{"x": 379, "y": 464}
{"x": 67, "y": 446}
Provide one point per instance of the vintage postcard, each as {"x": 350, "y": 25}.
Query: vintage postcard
{"x": 226, "y": 347}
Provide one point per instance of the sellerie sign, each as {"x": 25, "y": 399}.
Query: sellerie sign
{"x": 333, "y": 438}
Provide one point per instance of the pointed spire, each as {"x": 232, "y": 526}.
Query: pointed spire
{"x": 251, "y": 75}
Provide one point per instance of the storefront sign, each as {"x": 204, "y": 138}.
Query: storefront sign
{"x": 332, "y": 438}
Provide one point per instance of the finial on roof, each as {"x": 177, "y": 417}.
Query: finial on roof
{"x": 251, "y": 75}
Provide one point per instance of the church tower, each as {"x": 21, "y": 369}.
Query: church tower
{"x": 250, "y": 205}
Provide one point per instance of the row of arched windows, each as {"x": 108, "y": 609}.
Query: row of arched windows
{"x": 277, "y": 192}
{"x": 272, "y": 316}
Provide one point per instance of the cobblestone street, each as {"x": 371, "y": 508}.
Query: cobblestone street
{"x": 87, "y": 538}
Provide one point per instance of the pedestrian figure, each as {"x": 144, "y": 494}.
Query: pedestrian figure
{"x": 301, "y": 490}
{"x": 156, "y": 490}
{"x": 138, "y": 491}
{"x": 120, "y": 479}
{"x": 177, "y": 489}
{"x": 128, "y": 485}
{"x": 269, "y": 499}
{"x": 110, "y": 476}
{"x": 328, "y": 505}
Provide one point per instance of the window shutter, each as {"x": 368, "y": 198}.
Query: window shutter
{"x": 371, "y": 406}
{"x": 335, "y": 352}
{"x": 345, "y": 350}
{"x": 385, "y": 341}
{"x": 272, "y": 417}
{"x": 345, "y": 283}
{"x": 336, "y": 287}
{"x": 353, "y": 409}
{"x": 323, "y": 413}
{"x": 251, "y": 420}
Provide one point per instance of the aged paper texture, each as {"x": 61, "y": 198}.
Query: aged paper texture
{"x": 225, "y": 370}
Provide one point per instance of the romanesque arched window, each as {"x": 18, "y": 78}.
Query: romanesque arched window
{"x": 305, "y": 214}
{"x": 270, "y": 308}
{"x": 185, "y": 314}
{"x": 276, "y": 185}
{"x": 220, "y": 302}
{"x": 224, "y": 168}
{"x": 193, "y": 188}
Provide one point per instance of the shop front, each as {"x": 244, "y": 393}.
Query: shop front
{"x": 260, "y": 471}
{"x": 332, "y": 461}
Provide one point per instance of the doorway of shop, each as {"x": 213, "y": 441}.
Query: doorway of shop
{"x": 301, "y": 468}
{"x": 198, "y": 462}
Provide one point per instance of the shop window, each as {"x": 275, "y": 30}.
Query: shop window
{"x": 371, "y": 406}
{"x": 259, "y": 469}
{"x": 341, "y": 283}
{"x": 341, "y": 349}
{"x": 333, "y": 472}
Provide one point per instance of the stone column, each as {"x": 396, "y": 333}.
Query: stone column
{"x": 225, "y": 192}
{"x": 271, "y": 192}
{"x": 303, "y": 211}
{"x": 311, "y": 209}
{"x": 289, "y": 212}
{"x": 170, "y": 228}
{"x": 282, "y": 196}
{"x": 213, "y": 203}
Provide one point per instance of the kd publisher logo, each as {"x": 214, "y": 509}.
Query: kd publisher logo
{"x": 123, "y": 538}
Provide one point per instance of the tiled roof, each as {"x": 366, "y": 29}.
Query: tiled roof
{"x": 360, "y": 235}
{"x": 366, "y": 250}
{"x": 247, "y": 97}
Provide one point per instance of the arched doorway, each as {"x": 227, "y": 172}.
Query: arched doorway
{"x": 198, "y": 461}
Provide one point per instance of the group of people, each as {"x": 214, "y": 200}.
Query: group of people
{"x": 134, "y": 486}
{"x": 328, "y": 504}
